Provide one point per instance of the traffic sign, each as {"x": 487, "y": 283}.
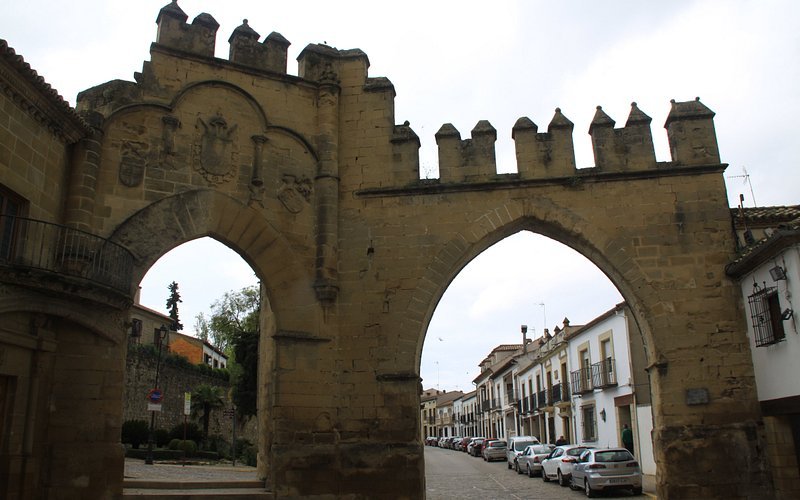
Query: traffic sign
{"x": 155, "y": 395}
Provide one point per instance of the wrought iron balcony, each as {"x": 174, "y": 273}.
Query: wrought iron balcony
{"x": 560, "y": 393}
{"x": 582, "y": 380}
{"x": 604, "y": 373}
{"x": 596, "y": 376}
{"x": 34, "y": 244}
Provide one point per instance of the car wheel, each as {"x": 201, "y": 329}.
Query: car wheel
{"x": 561, "y": 480}
{"x": 572, "y": 484}
{"x": 637, "y": 491}
{"x": 509, "y": 464}
{"x": 544, "y": 476}
{"x": 588, "y": 489}
{"x": 530, "y": 471}
{"x": 517, "y": 468}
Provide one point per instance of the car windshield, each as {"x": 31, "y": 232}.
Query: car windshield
{"x": 574, "y": 452}
{"x": 520, "y": 445}
{"x": 612, "y": 456}
{"x": 497, "y": 444}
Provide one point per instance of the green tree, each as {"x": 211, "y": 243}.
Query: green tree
{"x": 205, "y": 399}
{"x": 234, "y": 313}
{"x": 234, "y": 328}
{"x": 201, "y": 327}
{"x": 172, "y": 305}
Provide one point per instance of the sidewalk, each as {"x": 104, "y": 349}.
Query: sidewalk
{"x": 137, "y": 470}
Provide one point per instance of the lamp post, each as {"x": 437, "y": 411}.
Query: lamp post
{"x": 155, "y": 396}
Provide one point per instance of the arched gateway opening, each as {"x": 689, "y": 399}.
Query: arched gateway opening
{"x": 312, "y": 182}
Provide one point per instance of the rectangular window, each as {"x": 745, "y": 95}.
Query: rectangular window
{"x": 11, "y": 207}
{"x": 765, "y": 313}
{"x": 589, "y": 423}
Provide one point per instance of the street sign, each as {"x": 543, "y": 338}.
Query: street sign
{"x": 153, "y": 407}
{"x": 155, "y": 395}
{"x": 228, "y": 413}
{"x": 187, "y": 403}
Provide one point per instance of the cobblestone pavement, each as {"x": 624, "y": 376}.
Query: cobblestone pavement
{"x": 448, "y": 475}
{"x": 452, "y": 474}
{"x": 137, "y": 469}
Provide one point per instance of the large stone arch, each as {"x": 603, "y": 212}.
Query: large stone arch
{"x": 536, "y": 215}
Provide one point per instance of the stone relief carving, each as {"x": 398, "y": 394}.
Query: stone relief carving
{"x": 132, "y": 163}
{"x": 214, "y": 152}
{"x": 166, "y": 156}
{"x": 295, "y": 193}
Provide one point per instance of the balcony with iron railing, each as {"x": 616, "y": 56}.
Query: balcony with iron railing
{"x": 541, "y": 399}
{"x": 597, "y": 376}
{"x": 67, "y": 252}
{"x": 604, "y": 373}
{"x": 559, "y": 393}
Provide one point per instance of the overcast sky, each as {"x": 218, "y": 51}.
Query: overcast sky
{"x": 463, "y": 61}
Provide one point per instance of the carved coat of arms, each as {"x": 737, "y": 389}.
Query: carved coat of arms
{"x": 294, "y": 193}
{"x": 215, "y": 152}
{"x": 132, "y": 163}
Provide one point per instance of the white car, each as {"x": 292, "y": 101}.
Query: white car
{"x": 559, "y": 464}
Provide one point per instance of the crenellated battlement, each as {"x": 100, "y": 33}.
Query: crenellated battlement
{"x": 199, "y": 38}
{"x": 317, "y": 62}
{"x": 551, "y": 154}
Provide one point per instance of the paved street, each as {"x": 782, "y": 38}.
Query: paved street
{"x": 451, "y": 474}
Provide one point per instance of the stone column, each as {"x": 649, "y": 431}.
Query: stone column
{"x": 83, "y": 177}
{"x": 326, "y": 186}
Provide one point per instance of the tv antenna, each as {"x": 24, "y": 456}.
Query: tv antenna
{"x": 746, "y": 177}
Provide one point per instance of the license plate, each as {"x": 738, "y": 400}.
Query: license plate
{"x": 617, "y": 480}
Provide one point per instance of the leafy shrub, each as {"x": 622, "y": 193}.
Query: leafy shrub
{"x": 174, "y": 444}
{"x": 250, "y": 455}
{"x": 161, "y": 437}
{"x": 193, "y": 432}
{"x": 188, "y": 446}
{"x": 135, "y": 432}
{"x": 241, "y": 445}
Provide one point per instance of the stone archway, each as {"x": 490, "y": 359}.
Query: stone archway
{"x": 310, "y": 179}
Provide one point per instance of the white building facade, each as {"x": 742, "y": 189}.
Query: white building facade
{"x": 603, "y": 388}
{"x": 768, "y": 271}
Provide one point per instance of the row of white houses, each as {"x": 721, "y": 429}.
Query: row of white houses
{"x": 582, "y": 383}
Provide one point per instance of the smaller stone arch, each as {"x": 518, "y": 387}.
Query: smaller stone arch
{"x": 171, "y": 221}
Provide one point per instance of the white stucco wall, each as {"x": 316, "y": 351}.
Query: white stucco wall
{"x": 776, "y": 366}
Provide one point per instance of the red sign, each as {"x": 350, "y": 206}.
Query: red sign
{"x": 155, "y": 395}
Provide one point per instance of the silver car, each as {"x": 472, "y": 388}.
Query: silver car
{"x": 605, "y": 469}
{"x": 494, "y": 450}
{"x": 530, "y": 460}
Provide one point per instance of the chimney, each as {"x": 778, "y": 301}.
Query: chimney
{"x": 524, "y": 329}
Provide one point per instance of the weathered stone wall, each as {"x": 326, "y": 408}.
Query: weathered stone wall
{"x": 140, "y": 372}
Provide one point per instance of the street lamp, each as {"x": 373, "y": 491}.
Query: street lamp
{"x": 155, "y": 396}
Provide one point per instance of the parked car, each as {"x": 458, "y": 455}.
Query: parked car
{"x": 471, "y": 445}
{"x": 558, "y": 465}
{"x": 494, "y": 449}
{"x": 463, "y": 443}
{"x": 530, "y": 461}
{"x": 477, "y": 447}
{"x": 432, "y": 441}
{"x": 451, "y": 445}
{"x": 605, "y": 469}
{"x": 515, "y": 446}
